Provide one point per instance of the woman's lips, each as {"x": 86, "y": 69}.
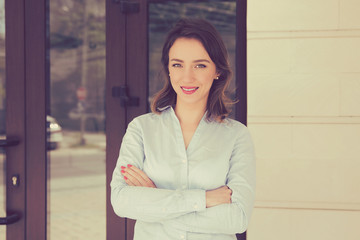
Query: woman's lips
{"x": 189, "y": 90}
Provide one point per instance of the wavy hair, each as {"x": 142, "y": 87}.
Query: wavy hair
{"x": 218, "y": 104}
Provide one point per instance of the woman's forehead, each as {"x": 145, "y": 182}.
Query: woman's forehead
{"x": 188, "y": 49}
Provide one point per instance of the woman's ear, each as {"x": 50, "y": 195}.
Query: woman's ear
{"x": 217, "y": 76}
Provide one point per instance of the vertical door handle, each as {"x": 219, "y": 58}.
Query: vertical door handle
{"x": 128, "y": 6}
{"x": 9, "y": 142}
{"x": 125, "y": 100}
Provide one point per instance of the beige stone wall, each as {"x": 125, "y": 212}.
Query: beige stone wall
{"x": 304, "y": 116}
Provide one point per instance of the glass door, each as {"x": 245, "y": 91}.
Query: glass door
{"x": 76, "y": 121}
{"x": 53, "y": 179}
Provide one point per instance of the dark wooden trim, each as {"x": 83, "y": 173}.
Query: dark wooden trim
{"x": 25, "y": 116}
{"x": 241, "y": 69}
{"x": 137, "y": 59}
{"x": 35, "y": 119}
{"x": 241, "y": 61}
{"x": 115, "y": 114}
{"x": 15, "y": 114}
{"x": 137, "y": 69}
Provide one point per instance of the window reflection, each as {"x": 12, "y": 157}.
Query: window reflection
{"x": 76, "y": 140}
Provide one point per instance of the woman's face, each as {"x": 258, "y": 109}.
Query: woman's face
{"x": 192, "y": 71}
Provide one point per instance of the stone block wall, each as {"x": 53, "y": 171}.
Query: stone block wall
{"x": 304, "y": 116}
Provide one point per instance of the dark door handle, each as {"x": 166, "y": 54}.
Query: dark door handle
{"x": 9, "y": 141}
{"x": 125, "y": 100}
{"x": 9, "y": 219}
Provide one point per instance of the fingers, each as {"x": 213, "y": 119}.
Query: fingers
{"x": 230, "y": 193}
{"x": 135, "y": 177}
{"x": 130, "y": 179}
{"x": 141, "y": 173}
{"x": 228, "y": 190}
{"x": 134, "y": 171}
{"x": 218, "y": 196}
{"x": 226, "y": 193}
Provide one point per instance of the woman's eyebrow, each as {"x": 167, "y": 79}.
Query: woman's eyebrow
{"x": 176, "y": 60}
{"x": 195, "y": 61}
{"x": 201, "y": 60}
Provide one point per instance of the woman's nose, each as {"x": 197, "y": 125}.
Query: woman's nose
{"x": 188, "y": 75}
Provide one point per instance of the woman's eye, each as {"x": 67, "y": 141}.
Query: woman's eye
{"x": 176, "y": 65}
{"x": 200, "y": 66}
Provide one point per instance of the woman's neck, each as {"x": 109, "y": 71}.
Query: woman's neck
{"x": 189, "y": 113}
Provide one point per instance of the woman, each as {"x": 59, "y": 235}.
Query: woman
{"x": 186, "y": 171}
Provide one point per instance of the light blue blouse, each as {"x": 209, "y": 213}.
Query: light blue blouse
{"x": 218, "y": 154}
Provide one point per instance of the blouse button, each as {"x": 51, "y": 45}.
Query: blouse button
{"x": 184, "y": 161}
{"x": 182, "y": 237}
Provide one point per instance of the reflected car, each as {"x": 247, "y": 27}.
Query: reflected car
{"x": 54, "y": 133}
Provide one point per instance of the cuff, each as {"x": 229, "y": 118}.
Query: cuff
{"x": 195, "y": 199}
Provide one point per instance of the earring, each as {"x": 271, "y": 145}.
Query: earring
{"x": 217, "y": 78}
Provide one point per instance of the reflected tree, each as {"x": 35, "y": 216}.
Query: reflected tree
{"x": 77, "y": 42}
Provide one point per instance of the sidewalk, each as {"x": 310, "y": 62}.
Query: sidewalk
{"x": 76, "y": 189}
{"x": 77, "y": 201}
{"x": 78, "y": 212}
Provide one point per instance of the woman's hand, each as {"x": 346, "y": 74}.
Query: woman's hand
{"x": 135, "y": 177}
{"x": 218, "y": 196}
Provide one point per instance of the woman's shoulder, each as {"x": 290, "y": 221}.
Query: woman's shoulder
{"x": 149, "y": 118}
{"x": 232, "y": 124}
{"x": 144, "y": 118}
{"x": 241, "y": 130}
{"x": 233, "y": 127}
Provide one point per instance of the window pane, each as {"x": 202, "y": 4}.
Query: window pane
{"x": 76, "y": 138}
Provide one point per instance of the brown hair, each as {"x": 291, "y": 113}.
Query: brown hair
{"x": 218, "y": 104}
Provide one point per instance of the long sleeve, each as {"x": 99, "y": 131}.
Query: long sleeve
{"x": 218, "y": 154}
{"x": 148, "y": 204}
{"x": 228, "y": 218}
{"x": 221, "y": 219}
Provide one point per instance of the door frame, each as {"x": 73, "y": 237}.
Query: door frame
{"x": 120, "y": 40}
{"x": 114, "y": 114}
{"x": 26, "y": 44}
